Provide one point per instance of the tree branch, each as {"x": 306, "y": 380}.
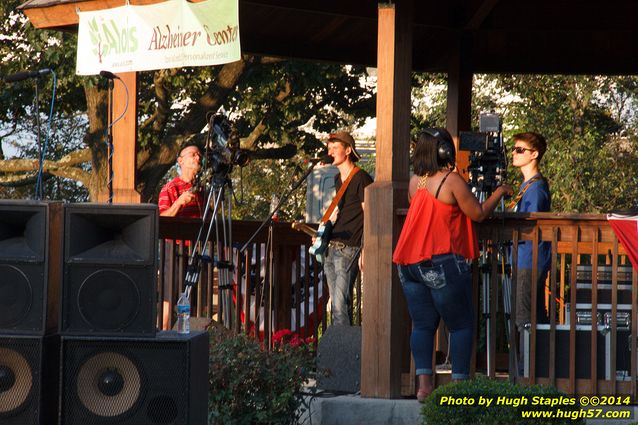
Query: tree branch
{"x": 250, "y": 142}
{"x": 18, "y": 180}
{"x": 160, "y": 115}
{"x": 65, "y": 167}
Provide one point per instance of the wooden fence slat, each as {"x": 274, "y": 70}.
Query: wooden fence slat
{"x": 575, "y": 241}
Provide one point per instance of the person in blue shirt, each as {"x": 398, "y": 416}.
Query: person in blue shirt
{"x": 533, "y": 196}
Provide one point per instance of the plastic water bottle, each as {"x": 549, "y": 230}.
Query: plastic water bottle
{"x": 183, "y": 314}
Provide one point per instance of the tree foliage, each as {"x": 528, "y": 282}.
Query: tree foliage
{"x": 591, "y": 161}
{"x": 271, "y": 101}
{"x": 589, "y": 123}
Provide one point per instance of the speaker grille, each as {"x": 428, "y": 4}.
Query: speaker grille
{"x": 20, "y": 375}
{"x": 98, "y": 388}
{"x": 16, "y": 296}
{"x": 108, "y": 300}
{"x": 132, "y": 380}
{"x": 16, "y": 380}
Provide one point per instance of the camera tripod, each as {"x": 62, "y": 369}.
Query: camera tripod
{"x": 495, "y": 260}
{"x": 218, "y": 220}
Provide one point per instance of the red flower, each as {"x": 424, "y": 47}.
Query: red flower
{"x": 281, "y": 335}
{"x": 295, "y": 341}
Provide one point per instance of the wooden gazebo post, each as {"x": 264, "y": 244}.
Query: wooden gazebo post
{"x": 384, "y": 319}
{"x": 459, "y": 102}
{"x": 125, "y": 135}
{"x": 124, "y": 141}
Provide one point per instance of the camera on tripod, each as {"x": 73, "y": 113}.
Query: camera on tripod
{"x": 222, "y": 147}
{"x": 221, "y": 154}
{"x": 488, "y": 160}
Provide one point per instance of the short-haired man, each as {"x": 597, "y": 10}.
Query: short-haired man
{"x": 176, "y": 198}
{"x": 533, "y": 196}
{"x": 340, "y": 264}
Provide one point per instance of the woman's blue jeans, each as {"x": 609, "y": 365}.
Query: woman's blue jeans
{"x": 451, "y": 300}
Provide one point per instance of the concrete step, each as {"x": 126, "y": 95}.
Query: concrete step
{"x": 329, "y": 409}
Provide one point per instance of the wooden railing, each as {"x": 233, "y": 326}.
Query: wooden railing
{"x": 283, "y": 280}
{"x": 565, "y": 353}
{"x": 589, "y": 270}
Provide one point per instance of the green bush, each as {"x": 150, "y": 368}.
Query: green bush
{"x": 441, "y": 411}
{"x": 249, "y": 385}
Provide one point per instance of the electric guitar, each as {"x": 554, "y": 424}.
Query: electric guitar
{"x": 322, "y": 235}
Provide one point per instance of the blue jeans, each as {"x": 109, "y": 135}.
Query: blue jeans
{"x": 340, "y": 282}
{"x": 449, "y": 298}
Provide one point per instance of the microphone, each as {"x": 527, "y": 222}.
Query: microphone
{"x": 24, "y": 75}
{"x": 326, "y": 159}
{"x": 284, "y": 152}
{"x": 108, "y": 75}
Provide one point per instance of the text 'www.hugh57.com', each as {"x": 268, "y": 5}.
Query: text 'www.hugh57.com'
{"x": 550, "y": 407}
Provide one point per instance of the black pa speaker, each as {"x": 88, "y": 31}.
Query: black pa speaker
{"x": 30, "y": 266}
{"x": 134, "y": 381}
{"x": 110, "y": 269}
{"x": 28, "y": 386}
{"x": 339, "y": 359}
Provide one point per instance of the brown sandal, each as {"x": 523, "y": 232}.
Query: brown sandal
{"x": 422, "y": 394}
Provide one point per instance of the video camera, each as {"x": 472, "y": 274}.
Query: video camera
{"x": 488, "y": 159}
{"x": 221, "y": 153}
{"x": 222, "y": 147}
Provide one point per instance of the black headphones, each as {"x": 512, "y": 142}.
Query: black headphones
{"x": 445, "y": 150}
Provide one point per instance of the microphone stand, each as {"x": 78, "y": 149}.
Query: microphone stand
{"x": 269, "y": 247}
{"x": 282, "y": 199}
{"x": 38, "y": 183}
{"x": 109, "y": 130}
{"x": 109, "y": 140}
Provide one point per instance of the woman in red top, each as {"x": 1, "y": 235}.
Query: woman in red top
{"x": 431, "y": 255}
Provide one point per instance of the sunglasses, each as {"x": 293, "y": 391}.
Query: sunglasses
{"x": 521, "y": 150}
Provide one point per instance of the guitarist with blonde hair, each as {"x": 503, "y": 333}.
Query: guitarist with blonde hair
{"x": 346, "y": 218}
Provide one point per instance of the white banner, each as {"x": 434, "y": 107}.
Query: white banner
{"x": 172, "y": 34}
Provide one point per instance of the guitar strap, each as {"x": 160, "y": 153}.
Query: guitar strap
{"x": 338, "y": 196}
{"x": 518, "y": 197}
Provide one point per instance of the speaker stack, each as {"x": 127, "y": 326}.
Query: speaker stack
{"x": 30, "y": 247}
{"x": 97, "y": 359}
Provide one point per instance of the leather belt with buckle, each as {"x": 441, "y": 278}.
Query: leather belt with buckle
{"x": 337, "y": 244}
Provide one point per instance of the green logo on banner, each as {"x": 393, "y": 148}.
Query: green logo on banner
{"x": 110, "y": 38}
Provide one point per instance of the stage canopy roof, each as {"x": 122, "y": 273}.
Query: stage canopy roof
{"x": 506, "y": 36}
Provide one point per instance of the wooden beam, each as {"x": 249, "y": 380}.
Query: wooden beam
{"x": 66, "y": 14}
{"x": 480, "y": 14}
{"x": 384, "y": 330}
{"x": 125, "y": 139}
{"x": 459, "y": 103}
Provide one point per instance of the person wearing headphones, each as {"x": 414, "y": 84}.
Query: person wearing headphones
{"x": 432, "y": 254}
